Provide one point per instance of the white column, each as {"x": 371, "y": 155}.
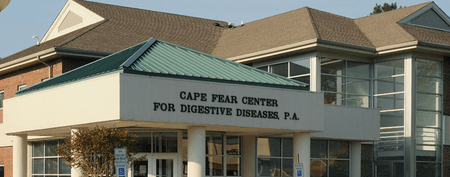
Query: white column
{"x": 315, "y": 74}
{"x": 74, "y": 172}
{"x": 20, "y": 156}
{"x": 196, "y": 151}
{"x": 355, "y": 159}
{"x": 409, "y": 116}
{"x": 302, "y": 152}
{"x": 248, "y": 156}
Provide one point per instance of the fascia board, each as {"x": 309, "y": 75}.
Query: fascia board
{"x": 304, "y": 45}
{"x": 25, "y": 60}
{"x": 432, "y": 47}
{"x": 46, "y": 55}
{"x": 274, "y": 51}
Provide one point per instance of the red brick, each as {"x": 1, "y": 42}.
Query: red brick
{"x": 6, "y": 159}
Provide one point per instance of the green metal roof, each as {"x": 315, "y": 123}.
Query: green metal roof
{"x": 160, "y": 58}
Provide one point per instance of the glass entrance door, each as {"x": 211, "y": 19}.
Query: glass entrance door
{"x": 164, "y": 168}
{"x": 156, "y": 165}
{"x": 164, "y": 165}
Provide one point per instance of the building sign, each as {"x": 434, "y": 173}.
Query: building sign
{"x": 120, "y": 156}
{"x": 201, "y": 104}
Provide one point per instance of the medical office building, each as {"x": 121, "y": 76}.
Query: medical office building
{"x": 304, "y": 90}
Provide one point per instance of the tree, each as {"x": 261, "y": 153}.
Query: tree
{"x": 92, "y": 151}
{"x": 386, "y": 7}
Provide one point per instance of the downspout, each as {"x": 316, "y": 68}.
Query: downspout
{"x": 50, "y": 67}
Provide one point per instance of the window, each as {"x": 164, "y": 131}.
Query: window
{"x": 21, "y": 87}
{"x": 345, "y": 82}
{"x": 275, "y": 157}
{"x": 298, "y": 69}
{"x": 2, "y": 171}
{"x": 428, "y": 117}
{"x": 2, "y": 97}
{"x": 329, "y": 158}
{"x": 45, "y": 161}
{"x": 389, "y": 97}
{"x": 223, "y": 155}
{"x": 157, "y": 142}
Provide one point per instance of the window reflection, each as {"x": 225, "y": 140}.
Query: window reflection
{"x": 165, "y": 142}
{"x": 280, "y": 69}
{"x": 233, "y": 147}
{"x": 345, "y": 82}
{"x": 297, "y": 69}
{"x": 318, "y": 168}
{"x": 338, "y": 168}
{"x": 268, "y": 167}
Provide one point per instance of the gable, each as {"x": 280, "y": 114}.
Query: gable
{"x": 70, "y": 20}
{"x": 430, "y": 16}
{"x": 72, "y": 17}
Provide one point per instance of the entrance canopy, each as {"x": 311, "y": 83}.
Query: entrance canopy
{"x": 156, "y": 84}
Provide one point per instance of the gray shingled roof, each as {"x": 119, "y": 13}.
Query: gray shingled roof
{"x": 124, "y": 27}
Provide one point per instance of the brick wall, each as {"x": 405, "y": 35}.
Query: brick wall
{"x": 72, "y": 63}
{"x": 446, "y": 74}
{"x": 446, "y": 161}
{"x": 9, "y": 82}
{"x": 366, "y": 160}
{"x": 6, "y": 159}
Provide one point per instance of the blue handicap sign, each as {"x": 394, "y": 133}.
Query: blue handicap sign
{"x": 299, "y": 173}
{"x": 121, "y": 171}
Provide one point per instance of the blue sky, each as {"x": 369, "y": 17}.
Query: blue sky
{"x": 23, "y": 19}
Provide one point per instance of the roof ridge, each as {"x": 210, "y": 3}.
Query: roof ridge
{"x": 277, "y": 15}
{"x": 92, "y": 28}
{"x": 328, "y": 12}
{"x": 313, "y": 22}
{"x": 396, "y": 10}
{"x": 139, "y": 52}
{"x": 135, "y": 8}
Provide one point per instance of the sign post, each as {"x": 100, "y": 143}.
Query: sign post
{"x": 299, "y": 170}
{"x": 120, "y": 155}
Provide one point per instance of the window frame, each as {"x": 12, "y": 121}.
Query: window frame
{"x": 269, "y": 68}
{"x": 345, "y": 80}
{"x": 21, "y": 87}
{"x": 281, "y": 158}
{"x": 44, "y": 157}
{"x": 328, "y": 159}
{"x": 2, "y": 92}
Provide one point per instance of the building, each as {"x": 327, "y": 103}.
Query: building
{"x": 369, "y": 94}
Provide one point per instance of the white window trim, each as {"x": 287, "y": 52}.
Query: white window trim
{"x": 21, "y": 87}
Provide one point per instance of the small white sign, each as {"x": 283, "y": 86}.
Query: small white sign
{"x": 299, "y": 169}
{"x": 120, "y": 155}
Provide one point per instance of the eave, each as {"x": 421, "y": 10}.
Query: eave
{"x": 46, "y": 55}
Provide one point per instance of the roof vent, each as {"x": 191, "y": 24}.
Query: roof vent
{"x": 216, "y": 24}
{"x": 230, "y": 25}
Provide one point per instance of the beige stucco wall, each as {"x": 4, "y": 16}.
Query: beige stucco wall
{"x": 139, "y": 93}
{"x": 93, "y": 100}
{"x": 350, "y": 123}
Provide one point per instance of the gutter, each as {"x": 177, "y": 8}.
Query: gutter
{"x": 50, "y": 67}
{"x": 47, "y": 54}
{"x": 308, "y": 44}
{"x": 29, "y": 59}
{"x": 327, "y": 44}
